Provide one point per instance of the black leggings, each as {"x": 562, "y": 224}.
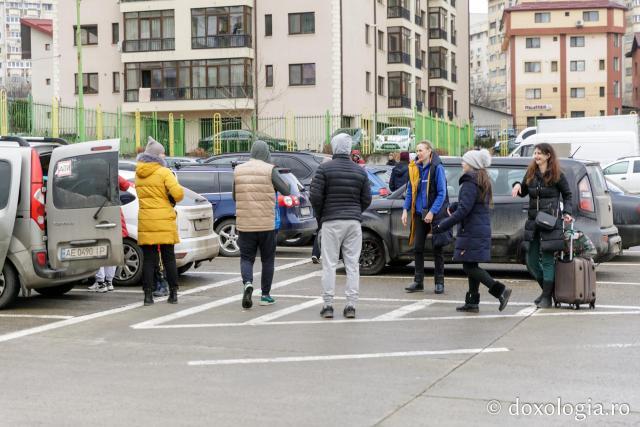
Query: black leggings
{"x": 476, "y": 276}
{"x": 150, "y": 263}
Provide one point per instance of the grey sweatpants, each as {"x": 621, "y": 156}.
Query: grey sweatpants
{"x": 337, "y": 235}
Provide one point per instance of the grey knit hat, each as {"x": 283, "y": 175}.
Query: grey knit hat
{"x": 477, "y": 159}
{"x": 154, "y": 148}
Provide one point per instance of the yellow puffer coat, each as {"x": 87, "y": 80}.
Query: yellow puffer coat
{"x": 156, "y": 217}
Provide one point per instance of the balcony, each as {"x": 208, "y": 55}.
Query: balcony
{"x": 419, "y": 106}
{"x": 191, "y": 93}
{"x": 398, "y": 12}
{"x": 148, "y": 45}
{"x": 398, "y": 58}
{"x": 436, "y": 111}
{"x": 453, "y": 3}
{"x": 399, "y": 102}
{"x": 221, "y": 41}
{"x": 454, "y": 77}
{"x": 419, "y": 63}
{"x": 437, "y": 33}
{"x": 454, "y": 37}
{"x": 438, "y": 73}
{"x": 418, "y": 20}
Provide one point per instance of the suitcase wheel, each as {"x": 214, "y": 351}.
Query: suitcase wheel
{"x": 592, "y": 305}
{"x": 557, "y": 304}
{"x": 577, "y": 306}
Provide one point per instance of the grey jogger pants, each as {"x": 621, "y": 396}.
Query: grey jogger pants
{"x": 337, "y": 235}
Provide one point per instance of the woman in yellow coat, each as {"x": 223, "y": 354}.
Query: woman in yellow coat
{"x": 158, "y": 191}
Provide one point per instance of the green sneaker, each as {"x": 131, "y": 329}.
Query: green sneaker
{"x": 267, "y": 300}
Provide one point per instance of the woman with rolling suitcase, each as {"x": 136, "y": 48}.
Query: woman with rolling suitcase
{"x": 544, "y": 183}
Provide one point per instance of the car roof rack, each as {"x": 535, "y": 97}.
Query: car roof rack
{"x": 46, "y": 139}
{"x": 21, "y": 141}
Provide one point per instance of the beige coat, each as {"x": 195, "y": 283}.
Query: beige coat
{"x": 255, "y": 196}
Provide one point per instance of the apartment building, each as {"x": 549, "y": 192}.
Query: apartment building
{"x": 269, "y": 57}
{"x": 630, "y": 98}
{"x": 565, "y": 59}
{"x": 15, "y": 72}
{"x": 37, "y": 47}
{"x": 497, "y": 62}
{"x": 478, "y": 59}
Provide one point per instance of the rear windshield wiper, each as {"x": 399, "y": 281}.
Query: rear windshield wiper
{"x": 95, "y": 215}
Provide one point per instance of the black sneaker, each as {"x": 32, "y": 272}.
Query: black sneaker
{"x": 327, "y": 312}
{"x": 315, "y": 259}
{"x": 349, "y": 312}
{"x": 246, "y": 296}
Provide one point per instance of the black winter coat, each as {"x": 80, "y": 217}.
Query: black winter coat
{"x": 473, "y": 237}
{"x": 546, "y": 198}
{"x": 399, "y": 176}
{"x": 340, "y": 190}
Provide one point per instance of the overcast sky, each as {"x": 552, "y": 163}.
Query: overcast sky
{"x": 478, "y": 6}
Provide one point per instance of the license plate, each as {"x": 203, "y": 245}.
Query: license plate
{"x": 389, "y": 146}
{"x": 306, "y": 211}
{"x": 201, "y": 224}
{"x": 85, "y": 252}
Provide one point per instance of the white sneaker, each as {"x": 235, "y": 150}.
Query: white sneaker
{"x": 95, "y": 286}
{"x": 109, "y": 286}
{"x": 102, "y": 288}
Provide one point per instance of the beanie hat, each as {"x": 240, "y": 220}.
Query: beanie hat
{"x": 477, "y": 159}
{"x": 154, "y": 148}
{"x": 404, "y": 156}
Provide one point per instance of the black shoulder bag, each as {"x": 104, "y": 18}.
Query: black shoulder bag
{"x": 545, "y": 221}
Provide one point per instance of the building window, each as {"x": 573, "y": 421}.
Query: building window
{"x": 302, "y": 74}
{"x": 577, "y": 114}
{"x": 89, "y": 83}
{"x": 380, "y": 85}
{"x": 591, "y": 16}
{"x": 115, "y": 33}
{"x": 616, "y": 89}
{"x": 47, "y": 46}
{"x": 438, "y": 63}
{"x": 532, "y": 67}
{"x": 577, "y": 92}
{"x": 601, "y": 66}
{"x": 576, "y": 66}
{"x": 398, "y": 92}
{"x": 533, "y": 93}
{"x": 616, "y": 40}
{"x": 88, "y": 35}
{"x": 302, "y": 23}
{"x": 380, "y": 40}
{"x": 576, "y": 41}
{"x": 368, "y": 81}
{"x": 602, "y": 93}
{"x": 268, "y": 31}
{"x": 366, "y": 33}
{"x": 399, "y": 45}
{"x": 149, "y": 31}
{"x": 48, "y": 82}
{"x": 542, "y": 17}
{"x": 190, "y": 80}
{"x": 555, "y": 90}
{"x": 221, "y": 27}
{"x": 616, "y": 63}
{"x": 437, "y": 23}
{"x": 533, "y": 42}
{"x": 116, "y": 82}
{"x": 268, "y": 72}
{"x": 554, "y": 66}
{"x": 602, "y": 112}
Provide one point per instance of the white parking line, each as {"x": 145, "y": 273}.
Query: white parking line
{"x": 403, "y": 311}
{"x": 214, "y": 273}
{"x": 345, "y": 357}
{"x": 619, "y": 283}
{"x": 36, "y": 316}
{"x": 148, "y": 324}
{"x": 284, "y": 312}
{"x": 527, "y": 311}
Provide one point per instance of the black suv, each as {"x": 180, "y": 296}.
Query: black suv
{"x": 302, "y": 164}
{"x": 386, "y": 241}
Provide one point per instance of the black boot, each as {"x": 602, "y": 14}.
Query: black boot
{"x": 471, "y": 302}
{"x": 416, "y": 286}
{"x": 537, "y": 300}
{"x": 545, "y": 298}
{"x": 439, "y": 284}
{"x": 500, "y": 291}
{"x": 173, "y": 296}
{"x": 148, "y": 297}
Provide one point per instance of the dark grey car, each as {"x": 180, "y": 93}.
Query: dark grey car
{"x": 386, "y": 241}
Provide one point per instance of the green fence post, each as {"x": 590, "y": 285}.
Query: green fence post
{"x": 327, "y": 128}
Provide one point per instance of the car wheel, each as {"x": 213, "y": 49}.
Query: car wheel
{"x": 372, "y": 256}
{"x": 228, "y": 238}
{"x": 130, "y": 273}
{"x": 56, "y": 291}
{"x": 9, "y": 285}
{"x": 184, "y": 268}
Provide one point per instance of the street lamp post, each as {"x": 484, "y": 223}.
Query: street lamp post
{"x": 80, "y": 78}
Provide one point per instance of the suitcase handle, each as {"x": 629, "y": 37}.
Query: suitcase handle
{"x": 570, "y": 240}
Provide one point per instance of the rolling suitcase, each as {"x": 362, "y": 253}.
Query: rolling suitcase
{"x": 575, "y": 279}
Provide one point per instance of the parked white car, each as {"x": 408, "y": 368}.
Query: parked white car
{"x": 198, "y": 241}
{"x": 624, "y": 172}
{"x": 395, "y": 139}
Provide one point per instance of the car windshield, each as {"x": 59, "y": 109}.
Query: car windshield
{"x": 376, "y": 182}
{"x": 396, "y": 131}
{"x": 598, "y": 183}
{"x": 262, "y": 135}
{"x": 348, "y": 131}
{"x": 294, "y": 184}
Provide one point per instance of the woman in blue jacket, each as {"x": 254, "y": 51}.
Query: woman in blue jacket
{"x": 473, "y": 240}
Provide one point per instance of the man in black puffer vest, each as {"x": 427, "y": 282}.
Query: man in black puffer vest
{"x": 340, "y": 192}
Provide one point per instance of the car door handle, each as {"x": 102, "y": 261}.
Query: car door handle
{"x": 106, "y": 225}
{"x": 83, "y": 242}
{"x": 624, "y": 178}
{"x": 382, "y": 211}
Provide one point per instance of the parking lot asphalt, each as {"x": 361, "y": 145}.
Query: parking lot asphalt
{"x": 406, "y": 360}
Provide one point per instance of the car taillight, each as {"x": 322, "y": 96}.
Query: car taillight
{"x": 586, "y": 196}
{"x": 37, "y": 195}
{"x": 41, "y": 258}
{"x": 288, "y": 201}
{"x": 383, "y": 192}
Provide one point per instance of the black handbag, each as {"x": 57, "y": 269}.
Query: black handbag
{"x": 545, "y": 221}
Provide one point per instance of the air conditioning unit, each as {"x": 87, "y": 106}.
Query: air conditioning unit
{"x": 579, "y": 23}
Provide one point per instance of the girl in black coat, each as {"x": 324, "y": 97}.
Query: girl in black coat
{"x": 473, "y": 238}
{"x": 544, "y": 183}
{"x": 400, "y": 172}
